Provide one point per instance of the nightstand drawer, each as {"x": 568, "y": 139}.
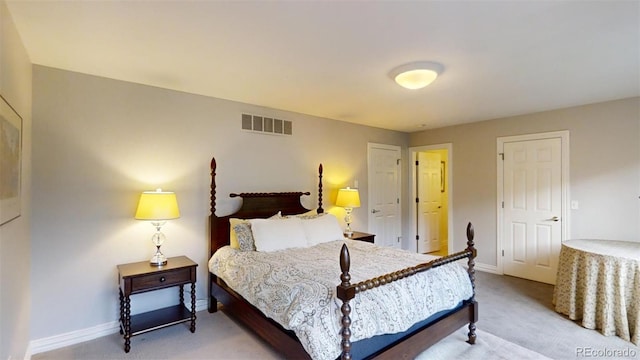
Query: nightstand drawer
{"x": 154, "y": 281}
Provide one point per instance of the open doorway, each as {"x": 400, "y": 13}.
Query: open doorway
{"x": 430, "y": 215}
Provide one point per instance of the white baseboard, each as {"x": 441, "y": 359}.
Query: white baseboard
{"x": 75, "y": 337}
{"x": 28, "y": 352}
{"x": 201, "y": 305}
{"x": 487, "y": 268}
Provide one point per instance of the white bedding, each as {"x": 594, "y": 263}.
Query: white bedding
{"x": 296, "y": 288}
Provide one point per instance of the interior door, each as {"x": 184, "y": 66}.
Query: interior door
{"x": 532, "y": 232}
{"x": 429, "y": 201}
{"x": 384, "y": 194}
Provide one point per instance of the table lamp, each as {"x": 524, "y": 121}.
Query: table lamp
{"x": 348, "y": 199}
{"x": 158, "y": 207}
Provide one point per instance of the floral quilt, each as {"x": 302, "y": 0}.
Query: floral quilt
{"x": 297, "y": 288}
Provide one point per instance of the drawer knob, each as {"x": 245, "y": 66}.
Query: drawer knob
{"x": 163, "y": 279}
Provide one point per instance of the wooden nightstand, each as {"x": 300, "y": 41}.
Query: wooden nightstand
{"x": 139, "y": 277}
{"x": 362, "y": 236}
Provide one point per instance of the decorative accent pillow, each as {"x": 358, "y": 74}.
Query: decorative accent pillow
{"x": 307, "y": 215}
{"x": 233, "y": 237}
{"x": 273, "y": 235}
{"x": 311, "y": 214}
{"x": 244, "y": 236}
{"x": 322, "y": 229}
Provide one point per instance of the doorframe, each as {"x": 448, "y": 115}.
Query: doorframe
{"x": 413, "y": 154}
{"x": 397, "y": 148}
{"x": 564, "y": 175}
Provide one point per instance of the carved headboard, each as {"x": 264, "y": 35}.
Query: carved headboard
{"x": 255, "y": 205}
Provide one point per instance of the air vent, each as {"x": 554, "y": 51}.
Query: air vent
{"x": 266, "y": 125}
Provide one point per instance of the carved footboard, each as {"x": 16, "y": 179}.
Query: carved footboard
{"x": 347, "y": 291}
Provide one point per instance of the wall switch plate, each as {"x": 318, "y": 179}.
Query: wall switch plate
{"x": 575, "y": 205}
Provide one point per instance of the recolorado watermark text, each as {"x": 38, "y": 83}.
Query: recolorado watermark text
{"x": 603, "y": 353}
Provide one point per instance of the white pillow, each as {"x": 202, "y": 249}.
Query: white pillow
{"x": 233, "y": 236}
{"x": 322, "y": 229}
{"x": 280, "y": 234}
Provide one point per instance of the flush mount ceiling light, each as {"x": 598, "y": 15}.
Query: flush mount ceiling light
{"x": 416, "y": 75}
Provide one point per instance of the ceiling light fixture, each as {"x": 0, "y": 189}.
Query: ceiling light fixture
{"x": 416, "y": 75}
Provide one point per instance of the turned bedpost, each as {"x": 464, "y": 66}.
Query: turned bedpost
{"x": 320, "y": 209}
{"x": 213, "y": 224}
{"x": 213, "y": 186}
{"x": 472, "y": 276}
{"x": 213, "y": 231}
{"x": 471, "y": 262}
{"x": 345, "y": 292}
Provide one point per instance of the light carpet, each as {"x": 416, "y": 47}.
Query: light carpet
{"x": 487, "y": 346}
{"x": 219, "y": 337}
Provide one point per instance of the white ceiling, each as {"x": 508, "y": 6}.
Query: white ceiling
{"x": 332, "y": 58}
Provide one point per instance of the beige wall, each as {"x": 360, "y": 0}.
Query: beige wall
{"x": 604, "y": 170}
{"x": 15, "y": 294}
{"x": 98, "y": 143}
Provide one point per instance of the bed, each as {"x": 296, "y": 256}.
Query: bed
{"x": 342, "y": 293}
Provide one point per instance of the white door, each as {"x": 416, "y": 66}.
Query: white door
{"x": 384, "y": 194}
{"x": 532, "y": 216}
{"x": 429, "y": 201}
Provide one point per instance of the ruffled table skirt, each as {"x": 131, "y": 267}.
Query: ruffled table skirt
{"x": 598, "y": 282}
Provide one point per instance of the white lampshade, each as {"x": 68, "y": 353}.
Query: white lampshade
{"x": 348, "y": 198}
{"x": 157, "y": 205}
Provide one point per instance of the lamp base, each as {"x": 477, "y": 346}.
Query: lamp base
{"x": 157, "y": 239}
{"x": 158, "y": 259}
{"x": 348, "y": 232}
{"x": 347, "y": 219}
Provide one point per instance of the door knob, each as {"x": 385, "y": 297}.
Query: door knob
{"x": 375, "y": 211}
{"x": 555, "y": 218}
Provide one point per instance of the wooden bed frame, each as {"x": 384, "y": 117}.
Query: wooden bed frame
{"x": 264, "y": 205}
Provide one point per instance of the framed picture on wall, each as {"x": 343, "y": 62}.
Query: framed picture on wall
{"x": 10, "y": 162}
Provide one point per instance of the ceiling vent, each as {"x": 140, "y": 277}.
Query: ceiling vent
{"x": 266, "y": 125}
